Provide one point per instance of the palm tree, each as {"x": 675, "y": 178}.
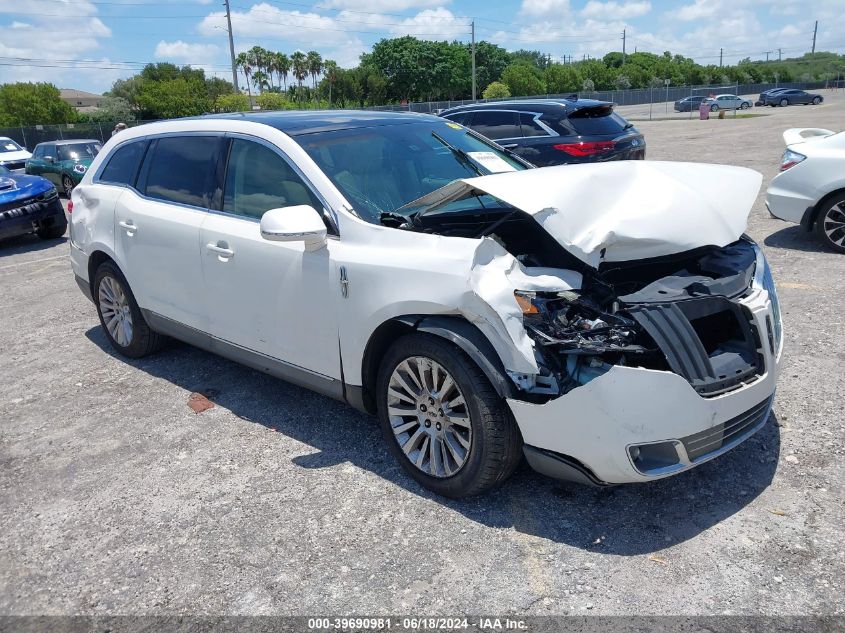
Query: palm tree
{"x": 259, "y": 78}
{"x": 315, "y": 66}
{"x": 258, "y": 57}
{"x": 299, "y": 64}
{"x": 330, "y": 69}
{"x": 283, "y": 67}
{"x": 244, "y": 62}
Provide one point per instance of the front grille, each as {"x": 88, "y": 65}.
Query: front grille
{"x": 700, "y": 445}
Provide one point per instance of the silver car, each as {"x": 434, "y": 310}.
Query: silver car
{"x": 729, "y": 102}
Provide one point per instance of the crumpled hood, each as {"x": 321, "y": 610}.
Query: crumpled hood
{"x": 623, "y": 210}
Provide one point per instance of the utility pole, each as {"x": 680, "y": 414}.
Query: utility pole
{"x": 231, "y": 46}
{"x": 767, "y": 55}
{"x": 720, "y": 57}
{"x": 815, "y": 30}
{"x": 779, "y": 57}
{"x": 623, "y": 46}
{"x": 473, "y": 60}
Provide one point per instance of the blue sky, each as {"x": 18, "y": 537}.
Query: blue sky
{"x": 87, "y": 44}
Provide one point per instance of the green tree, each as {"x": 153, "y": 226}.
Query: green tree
{"x": 33, "y": 104}
{"x": 232, "y": 103}
{"x": 299, "y": 65}
{"x": 314, "y": 64}
{"x": 272, "y": 101}
{"x": 522, "y": 80}
{"x": 490, "y": 62}
{"x": 112, "y": 109}
{"x": 244, "y": 62}
{"x": 561, "y": 78}
{"x": 496, "y": 90}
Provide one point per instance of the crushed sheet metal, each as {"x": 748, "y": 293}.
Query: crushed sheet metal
{"x": 494, "y": 276}
{"x": 624, "y": 210}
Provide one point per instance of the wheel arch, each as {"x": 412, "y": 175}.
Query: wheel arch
{"x": 812, "y": 214}
{"x": 455, "y": 329}
{"x": 96, "y": 259}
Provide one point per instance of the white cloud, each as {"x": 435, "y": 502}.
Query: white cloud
{"x": 616, "y": 10}
{"x": 433, "y": 24}
{"x": 190, "y": 53}
{"x": 558, "y": 8}
{"x": 696, "y": 11}
{"x": 381, "y": 6}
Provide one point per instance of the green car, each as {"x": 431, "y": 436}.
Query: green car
{"x": 63, "y": 162}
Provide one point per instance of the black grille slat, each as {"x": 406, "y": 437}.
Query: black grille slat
{"x": 706, "y": 442}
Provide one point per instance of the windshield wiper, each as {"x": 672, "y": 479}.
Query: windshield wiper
{"x": 460, "y": 154}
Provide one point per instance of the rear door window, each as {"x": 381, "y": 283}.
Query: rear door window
{"x": 597, "y": 121}
{"x": 496, "y": 124}
{"x": 179, "y": 168}
{"x": 529, "y": 125}
{"x": 123, "y": 164}
{"x": 459, "y": 117}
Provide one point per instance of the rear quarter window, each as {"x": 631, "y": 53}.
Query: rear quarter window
{"x": 123, "y": 164}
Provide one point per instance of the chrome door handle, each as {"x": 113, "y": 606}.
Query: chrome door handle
{"x": 222, "y": 251}
{"x": 510, "y": 145}
{"x": 128, "y": 226}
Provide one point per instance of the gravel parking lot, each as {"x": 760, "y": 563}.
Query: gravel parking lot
{"x": 116, "y": 498}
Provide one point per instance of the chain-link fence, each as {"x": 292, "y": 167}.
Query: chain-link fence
{"x": 30, "y": 136}
{"x": 638, "y": 96}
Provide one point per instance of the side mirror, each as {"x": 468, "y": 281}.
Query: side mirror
{"x": 48, "y": 159}
{"x": 300, "y": 223}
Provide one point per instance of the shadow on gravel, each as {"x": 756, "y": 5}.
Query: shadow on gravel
{"x": 795, "y": 238}
{"x": 28, "y": 244}
{"x": 625, "y": 520}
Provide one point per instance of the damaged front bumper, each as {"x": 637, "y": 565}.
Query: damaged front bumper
{"x": 632, "y": 424}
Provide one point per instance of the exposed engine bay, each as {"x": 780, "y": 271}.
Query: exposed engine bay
{"x": 678, "y": 313}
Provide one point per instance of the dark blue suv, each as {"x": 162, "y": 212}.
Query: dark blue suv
{"x": 554, "y": 131}
{"x": 29, "y": 204}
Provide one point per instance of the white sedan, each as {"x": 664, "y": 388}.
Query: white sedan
{"x": 810, "y": 188}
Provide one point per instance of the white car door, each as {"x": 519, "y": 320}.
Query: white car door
{"x": 273, "y": 298}
{"x": 157, "y": 227}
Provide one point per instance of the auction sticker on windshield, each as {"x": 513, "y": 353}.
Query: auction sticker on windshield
{"x": 492, "y": 162}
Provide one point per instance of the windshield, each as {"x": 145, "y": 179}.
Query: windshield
{"x": 380, "y": 169}
{"x": 79, "y": 151}
{"x": 8, "y": 145}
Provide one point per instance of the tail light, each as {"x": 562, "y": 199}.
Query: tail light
{"x": 585, "y": 148}
{"x": 790, "y": 159}
{"x": 70, "y": 206}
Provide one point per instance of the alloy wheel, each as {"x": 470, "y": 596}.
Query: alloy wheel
{"x": 67, "y": 185}
{"x": 834, "y": 224}
{"x": 115, "y": 309}
{"x": 429, "y": 416}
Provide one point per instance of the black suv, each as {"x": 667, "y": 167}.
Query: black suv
{"x": 554, "y": 131}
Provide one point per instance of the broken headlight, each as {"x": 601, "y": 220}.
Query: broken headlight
{"x": 575, "y": 323}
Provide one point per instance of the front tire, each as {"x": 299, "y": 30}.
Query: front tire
{"x": 830, "y": 225}
{"x": 817, "y": 100}
{"x": 784, "y": 103}
{"x": 52, "y": 231}
{"x": 442, "y": 419}
{"x": 120, "y": 316}
{"x": 67, "y": 185}
{"x": 744, "y": 106}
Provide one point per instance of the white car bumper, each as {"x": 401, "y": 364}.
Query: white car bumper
{"x": 596, "y": 428}
{"x": 787, "y": 205}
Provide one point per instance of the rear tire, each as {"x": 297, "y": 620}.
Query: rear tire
{"x": 414, "y": 398}
{"x": 744, "y": 106}
{"x": 830, "y": 225}
{"x": 120, "y": 316}
{"x": 714, "y": 108}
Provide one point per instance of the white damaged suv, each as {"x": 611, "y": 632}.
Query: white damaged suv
{"x": 610, "y": 322}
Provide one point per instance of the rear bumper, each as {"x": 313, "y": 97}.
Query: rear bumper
{"x": 636, "y": 425}
{"x": 786, "y": 204}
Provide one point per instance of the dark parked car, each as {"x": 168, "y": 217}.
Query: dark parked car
{"x": 554, "y": 131}
{"x": 63, "y": 162}
{"x": 29, "y": 204}
{"x": 765, "y": 93}
{"x": 689, "y": 103}
{"x": 791, "y": 96}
